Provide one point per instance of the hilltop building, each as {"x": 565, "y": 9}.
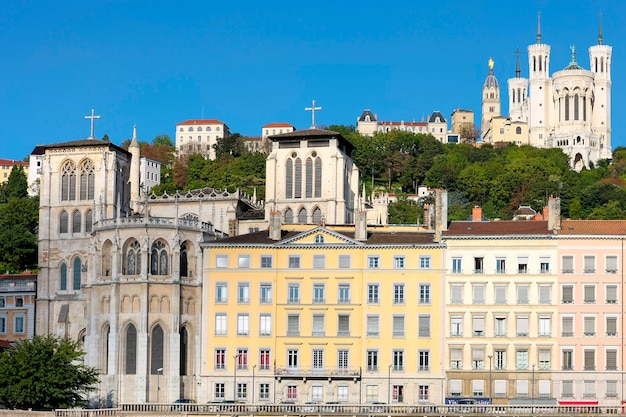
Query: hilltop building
{"x": 17, "y": 306}
{"x": 368, "y": 124}
{"x": 570, "y": 109}
{"x": 199, "y": 136}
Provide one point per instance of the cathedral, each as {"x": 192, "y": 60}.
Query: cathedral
{"x": 569, "y": 109}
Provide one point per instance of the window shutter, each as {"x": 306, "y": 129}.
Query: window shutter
{"x": 500, "y": 294}
{"x": 522, "y": 294}
{"x": 590, "y": 294}
{"x": 544, "y": 294}
{"x": 589, "y": 263}
{"x": 568, "y": 326}
{"x": 372, "y": 325}
{"x": 611, "y": 263}
{"x": 479, "y": 324}
{"x": 589, "y": 356}
{"x": 568, "y": 294}
{"x": 590, "y": 324}
{"x": 611, "y": 294}
{"x": 478, "y": 354}
{"x": 522, "y": 326}
{"x": 457, "y": 294}
{"x": 500, "y": 387}
{"x": 611, "y": 360}
{"x": 424, "y": 326}
{"x": 568, "y": 264}
{"x": 398, "y": 325}
{"x": 611, "y": 326}
{"x": 479, "y": 293}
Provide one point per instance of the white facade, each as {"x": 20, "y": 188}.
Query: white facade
{"x": 149, "y": 173}
{"x": 437, "y": 125}
{"x": 276, "y": 129}
{"x": 199, "y": 136}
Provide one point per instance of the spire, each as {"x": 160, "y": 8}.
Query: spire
{"x": 134, "y": 140}
{"x": 517, "y": 68}
{"x": 600, "y": 32}
{"x": 538, "y": 27}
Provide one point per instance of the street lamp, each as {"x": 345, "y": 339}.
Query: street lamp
{"x": 389, "y": 385}
{"x": 159, "y": 372}
{"x": 490, "y": 382}
{"x": 236, "y": 357}
{"x": 532, "y": 387}
{"x": 253, "y": 368}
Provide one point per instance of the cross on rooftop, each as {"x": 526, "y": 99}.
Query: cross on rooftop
{"x": 312, "y": 110}
{"x": 92, "y": 117}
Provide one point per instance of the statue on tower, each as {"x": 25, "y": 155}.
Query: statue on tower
{"x": 491, "y": 62}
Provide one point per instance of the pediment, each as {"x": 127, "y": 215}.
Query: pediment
{"x": 320, "y": 236}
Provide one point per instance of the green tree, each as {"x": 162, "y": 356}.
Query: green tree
{"x": 232, "y": 145}
{"x": 405, "y": 211}
{"x": 16, "y": 185}
{"x": 45, "y": 373}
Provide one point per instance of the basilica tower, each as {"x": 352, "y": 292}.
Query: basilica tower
{"x": 518, "y": 95}
{"x": 600, "y": 64}
{"x": 539, "y": 118}
{"x": 491, "y": 99}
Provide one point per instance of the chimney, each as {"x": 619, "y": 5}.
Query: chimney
{"x": 441, "y": 212}
{"x": 275, "y": 225}
{"x": 545, "y": 212}
{"x": 477, "y": 214}
{"x": 554, "y": 213}
{"x": 360, "y": 227}
{"x": 233, "y": 227}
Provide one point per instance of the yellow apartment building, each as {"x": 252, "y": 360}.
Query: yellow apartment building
{"x": 308, "y": 313}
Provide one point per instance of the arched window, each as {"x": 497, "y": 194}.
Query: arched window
{"x": 308, "y": 193}
{"x": 131, "y": 350}
{"x": 133, "y": 259}
{"x": 68, "y": 181}
{"x": 289, "y": 179}
{"x": 199, "y": 128}
{"x": 584, "y": 108}
{"x": 576, "y": 106}
{"x": 76, "y": 222}
{"x": 318, "y": 177}
{"x": 208, "y": 129}
{"x": 105, "y": 348}
{"x": 184, "y": 350}
{"x": 77, "y": 272}
{"x": 158, "y": 259}
{"x": 319, "y": 239}
{"x": 156, "y": 350}
{"x": 88, "y": 221}
{"x": 183, "y": 260}
{"x": 190, "y": 129}
{"x": 64, "y": 222}
{"x": 86, "y": 180}
{"x": 297, "y": 179}
{"x": 63, "y": 277}
{"x": 302, "y": 216}
{"x": 518, "y": 130}
{"x": 288, "y": 216}
{"x": 317, "y": 216}
{"x": 567, "y": 108}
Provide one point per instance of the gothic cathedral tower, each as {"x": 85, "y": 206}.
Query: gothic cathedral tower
{"x": 539, "y": 118}
{"x": 518, "y": 95}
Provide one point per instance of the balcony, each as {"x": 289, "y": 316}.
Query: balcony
{"x": 348, "y": 373}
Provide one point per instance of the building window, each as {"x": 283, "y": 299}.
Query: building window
{"x": 589, "y": 326}
{"x": 398, "y": 325}
{"x": 265, "y": 325}
{"x": 478, "y": 388}
{"x": 372, "y": 294}
{"x": 18, "y": 323}
{"x": 522, "y": 264}
{"x": 568, "y": 359}
{"x": 425, "y": 262}
{"x": 522, "y": 294}
{"x": 292, "y": 358}
{"x": 64, "y": 222}
{"x": 243, "y": 293}
{"x": 589, "y": 294}
{"x": 158, "y": 259}
{"x": 294, "y": 293}
{"x": 319, "y": 261}
{"x": 544, "y": 264}
{"x": 589, "y": 266}
{"x": 500, "y": 265}
{"x": 500, "y": 359}
{"x": 611, "y": 360}
{"x": 244, "y": 261}
{"x": 424, "y": 295}
{"x": 266, "y": 261}
{"x": 398, "y": 294}
{"x": 545, "y": 292}
{"x": 318, "y": 359}
{"x": 545, "y": 324}
{"x": 221, "y": 261}
{"x": 243, "y": 325}
{"x": 221, "y": 292}
{"x": 424, "y": 360}
{"x": 500, "y": 291}
{"x": 589, "y": 360}
{"x": 568, "y": 294}
{"x": 77, "y": 271}
{"x": 611, "y": 294}
{"x": 266, "y": 293}
{"x": 372, "y": 360}
{"x": 567, "y": 262}
{"x": 220, "y": 391}
{"x": 343, "y": 325}
{"x": 3, "y": 323}
{"x": 344, "y": 294}
{"x": 456, "y": 294}
{"x": 456, "y": 265}
{"x": 319, "y": 294}
{"x": 264, "y": 359}
{"x": 478, "y": 265}
{"x": 611, "y": 326}
{"x": 220, "y": 324}
{"x": 76, "y": 222}
{"x": 478, "y": 294}
{"x": 478, "y": 358}
{"x": 242, "y": 358}
{"x": 293, "y": 325}
{"x": 567, "y": 327}
{"x": 398, "y": 360}
{"x": 373, "y": 262}
{"x": 522, "y": 326}
{"x": 456, "y": 358}
{"x": 500, "y": 326}
{"x": 424, "y": 325}
{"x": 522, "y": 360}
{"x": 63, "y": 283}
{"x": 456, "y": 326}
{"x": 242, "y": 391}
{"x": 373, "y": 325}
{"x": 398, "y": 262}
{"x": 478, "y": 326}
{"x": 294, "y": 261}
{"x": 343, "y": 359}
{"x": 344, "y": 261}
{"x": 611, "y": 264}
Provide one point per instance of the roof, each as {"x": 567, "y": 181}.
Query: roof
{"x": 313, "y": 134}
{"x": 367, "y": 112}
{"x": 201, "y": 122}
{"x": 435, "y": 115}
{"x": 375, "y": 238}
{"x": 12, "y": 162}
{"x": 497, "y": 228}
{"x": 39, "y": 150}
{"x": 491, "y": 81}
{"x": 593, "y": 227}
{"x": 81, "y": 143}
{"x": 402, "y": 123}
{"x": 279, "y": 124}
{"x": 23, "y": 276}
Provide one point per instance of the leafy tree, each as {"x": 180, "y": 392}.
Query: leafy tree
{"x": 45, "y": 373}
{"x": 405, "y": 211}
{"x": 232, "y": 145}
{"x": 19, "y": 216}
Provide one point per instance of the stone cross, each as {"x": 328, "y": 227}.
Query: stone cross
{"x": 92, "y": 117}
{"x": 312, "y": 110}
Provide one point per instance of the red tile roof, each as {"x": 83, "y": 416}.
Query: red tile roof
{"x": 497, "y": 228}
{"x": 201, "y": 122}
{"x": 279, "y": 124}
{"x": 593, "y": 227}
{"x": 13, "y": 162}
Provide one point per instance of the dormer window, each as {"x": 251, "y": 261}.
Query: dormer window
{"x": 319, "y": 239}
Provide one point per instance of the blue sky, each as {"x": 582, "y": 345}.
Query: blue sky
{"x": 247, "y": 63}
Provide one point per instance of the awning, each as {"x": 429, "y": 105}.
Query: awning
{"x": 578, "y": 402}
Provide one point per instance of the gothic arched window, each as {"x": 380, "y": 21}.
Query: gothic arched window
{"x": 156, "y": 350}
{"x": 63, "y": 284}
{"x": 76, "y": 222}
{"x": 88, "y": 221}
{"x": 184, "y": 262}
{"x": 576, "y": 106}
{"x": 566, "y": 107}
{"x": 302, "y": 216}
{"x": 289, "y": 179}
{"x": 158, "y": 259}
{"x": 86, "y": 180}
{"x": 184, "y": 350}
{"x": 105, "y": 348}
{"x": 64, "y": 222}
{"x": 317, "y": 192}
{"x": 77, "y": 271}
{"x": 131, "y": 350}
{"x": 308, "y": 193}
{"x": 68, "y": 181}
{"x": 133, "y": 259}
{"x": 317, "y": 215}
{"x": 288, "y": 216}
{"x": 297, "y": 179}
